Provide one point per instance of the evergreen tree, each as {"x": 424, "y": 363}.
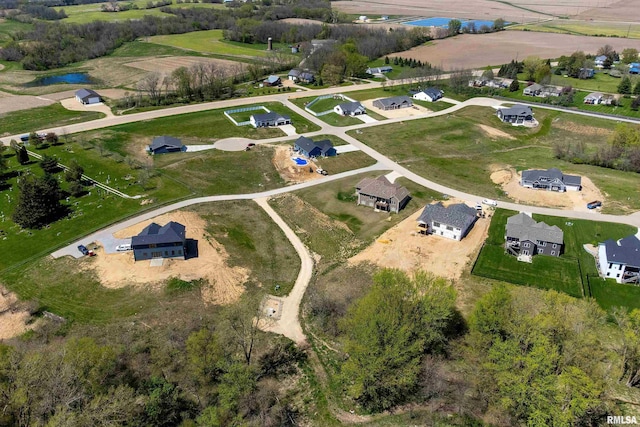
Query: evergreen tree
{"x": 386, "y": 60}
{"x": 625, "y": 86}
{"x": 49, "y": 164}
{"x": 636, "y": 89}
{"x": 514, "y": 86}
{"x": 74, "y": 173}
{"x": 38, "y": 202}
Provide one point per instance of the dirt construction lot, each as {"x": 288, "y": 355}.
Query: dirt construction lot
{"x": 402, "y": 247}
{"x": 225, "y": 284}
{"x": 288, "y": 170}
{"x": 509, "y": 180}
{"x": 479, "y": 50}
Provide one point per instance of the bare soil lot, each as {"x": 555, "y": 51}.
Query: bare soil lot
{"x": 402, "y": 247}
{"x": 513, "y": 11}
{"x": 288, "y": 170}
{"x": 225, "y": 284}
{"x": 168, "y": 64}
{"x": 22, "y": 102}
{"x": 13, "y": 319}
{"x": 509, "y": 180}
{"x": 479, "y": 50}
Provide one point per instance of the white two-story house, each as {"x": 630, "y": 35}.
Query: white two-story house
{"x": 620, "y": 260}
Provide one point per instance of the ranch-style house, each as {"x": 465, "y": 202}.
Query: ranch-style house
{"x": 518, "y": 115}
{"x": 551, "y": 179}
{"x": 430, "y": 94}
{"x": 155, "y": 241}
{"x": 381, "y": 194}
{"x": 350, "y": 109}
{"x": 269, "y": 119}
{"x": 310, "y": 148}
{"x": 165, "y": 144}
{"x": 453, "y": 222}
{"x": 393, "y": 103}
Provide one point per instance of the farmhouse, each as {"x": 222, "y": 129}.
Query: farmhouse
{"x": 165, "y": 144}
{"x": 309, "y": 148}
{"x": 269, "y": 119}
{"x": 393, "y": 103}
{"x": 599, "y": 60}
{"x": 453, "y": 222}
{"x": 87, "y": 96}
{"x": 297, "y": 75}
{"x": 517, "y": 115}
{"x": 350, "y": 109}
{"x": 526, "y": 237}
{"x": 379, "y": 70}
{"x": 551, "y": 179}
{"x": 430, "y": 94}
{"x": 381, "y": 194}
{"x": 154, "y": 241}
{"x": 272, "y": 81}
{"x": 620, "y": 260}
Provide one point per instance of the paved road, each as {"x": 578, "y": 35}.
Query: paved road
{"x": 289, "y": 323}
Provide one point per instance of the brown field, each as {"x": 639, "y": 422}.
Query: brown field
{"x": 516, "y": 11}
{"x": 479, "y": 50}
{"x": 170, "y": 63}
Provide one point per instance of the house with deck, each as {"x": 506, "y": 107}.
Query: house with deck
{"x": 430, "y": 94}
{"x": 269, "y": 119}
{"x": 310, "y": 148}
{"x": 524, "y": 237}
{"x": 393, "y": 103}
{"x": 87, "y": 97}
{"x": 518, "y": 115}
{"x": 381, "y": 194}
{"x": 453, "y": 221}
{"x": 165, "y": 144}
{"x": 551, "y": 179}
{"x": 620, "y": 260}
{"x": 350, "y": 109}
{"x": 155, "y": 241}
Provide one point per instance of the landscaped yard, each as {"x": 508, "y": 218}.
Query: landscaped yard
{"x": 34, "y": 119}
{"x": 566, "y": 273}
{"x": 454, "y": 151}
{"x": 601, "y": 82}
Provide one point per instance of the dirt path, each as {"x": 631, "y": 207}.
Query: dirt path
{"x": 289, "y": 322}
{"x": 13, "y": 319}
{"x": 509, "y": 180}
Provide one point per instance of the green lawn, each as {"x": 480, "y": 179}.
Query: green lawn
{"x": 38, "y": 118}
{"x": 601, "y": 82}
{"x": 454, "y": 151}
{"x": 331, "y": 224}
{"x": 325, "y": 104}
{"x": 139, "y": 48}
{"x": 565, "y": 273}
{"x": 9, "y": 27}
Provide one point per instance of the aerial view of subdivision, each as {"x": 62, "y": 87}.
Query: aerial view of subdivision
{"x": 248, "y": 213}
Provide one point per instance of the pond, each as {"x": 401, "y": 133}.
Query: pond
{"x": 444, "y": 22}
{"x": 72, "y": 78}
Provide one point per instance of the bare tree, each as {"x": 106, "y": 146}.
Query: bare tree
{"x": 151, "y": 85}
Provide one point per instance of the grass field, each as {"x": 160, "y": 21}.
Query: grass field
{"x": 565, "y": 273}
{"x": 325, "y": 104}
{"x": 138, "y": 49}
{"x": 8, "y": 27}
{"x": 601, "y": 82}
{"x": 583, "y": 28}
{"x": 61, "y": 287}
{"x": 454, "y": 151}
{"x": 38, "y": 118}
{"x": 331, "y": 224}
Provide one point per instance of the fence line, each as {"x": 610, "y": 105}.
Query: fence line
{"x": 321, "y": 97}
{"x": 242, "y": 110}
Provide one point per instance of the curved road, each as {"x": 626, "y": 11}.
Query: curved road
{"x": 289, "y": 324}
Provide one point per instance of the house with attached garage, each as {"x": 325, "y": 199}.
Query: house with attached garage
{"x": 453, "y": 221}
{"x": 380, "y": 194}
{"x": 269, "y": 119}
{"x": 393, "y": 103}
{"x": 155, "y": 241}
{"x": 541, "y": 91}
{"x": 297, "y": 75}
{"x": 525, "y": 237}
{"x": 430, "y": 94}
{"x": 379, "y": 70}
{"x": 551, "y": 179}
{"x": 165, "y": 144}
{"x": 310, "y": 148}
{"x": 600, "y": 60}
{"x": 594, "y": 98}
{"x": 350, "y": 109}
{"x": 87, "y": 97}
{"x": 272, "y": 81}
{"x": 518, "y": 115}
{"x": 620, "y": 260}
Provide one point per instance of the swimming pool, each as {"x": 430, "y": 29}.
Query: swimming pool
{"x": 444, "y": 22}
{"x": 299, "y": 161}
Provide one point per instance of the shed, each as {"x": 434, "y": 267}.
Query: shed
{"x": 87, "y": 97}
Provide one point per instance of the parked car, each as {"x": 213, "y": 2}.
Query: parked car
{"x": 478, "y": 207}
{"x": 322, "y": 171}
{"x": 251, "y": 144}
{"x": 24, "y": 138}
{"x": 83, "y": 249}
{"x": 594, "y": 204}
{"x": 123, "y": 247}
{"x": 490, "y": 202}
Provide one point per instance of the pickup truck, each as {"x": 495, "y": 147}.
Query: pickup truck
{"x": 321, "y": 171}
{"x": 594, "y": 204}
{"x": 490, "y": 202}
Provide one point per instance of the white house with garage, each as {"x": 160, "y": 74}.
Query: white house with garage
{"x": 620, "y": 260}
{"x": 430, "y": 94}
{"x": 453, "y": 222}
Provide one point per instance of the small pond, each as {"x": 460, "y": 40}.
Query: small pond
{"x": 72, "y": 78}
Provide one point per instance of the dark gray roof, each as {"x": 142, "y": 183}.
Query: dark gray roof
{"x": 624, "y": 251}
{"x": 295, "y": 72}
{"x": 523, "y": 227}
{"x": 534, "y": 87}
{"x": 551, "y": 174}
{"x": 307, "y": 144}
{"x": 269, "y": 117}
{"x": 306, "y": 75}
{"x": 86, "y": 93}
{"x": 395, "y": 100}
{"x": 348, "y": 107}
{"x": 517, "y": 110}
{"x": 165, "y": 141}
{"x": 154, "y": 234}
{"x": 458, "y": 215}
{"x": 381, "y": 187}
{"x": 433, "y": 92}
